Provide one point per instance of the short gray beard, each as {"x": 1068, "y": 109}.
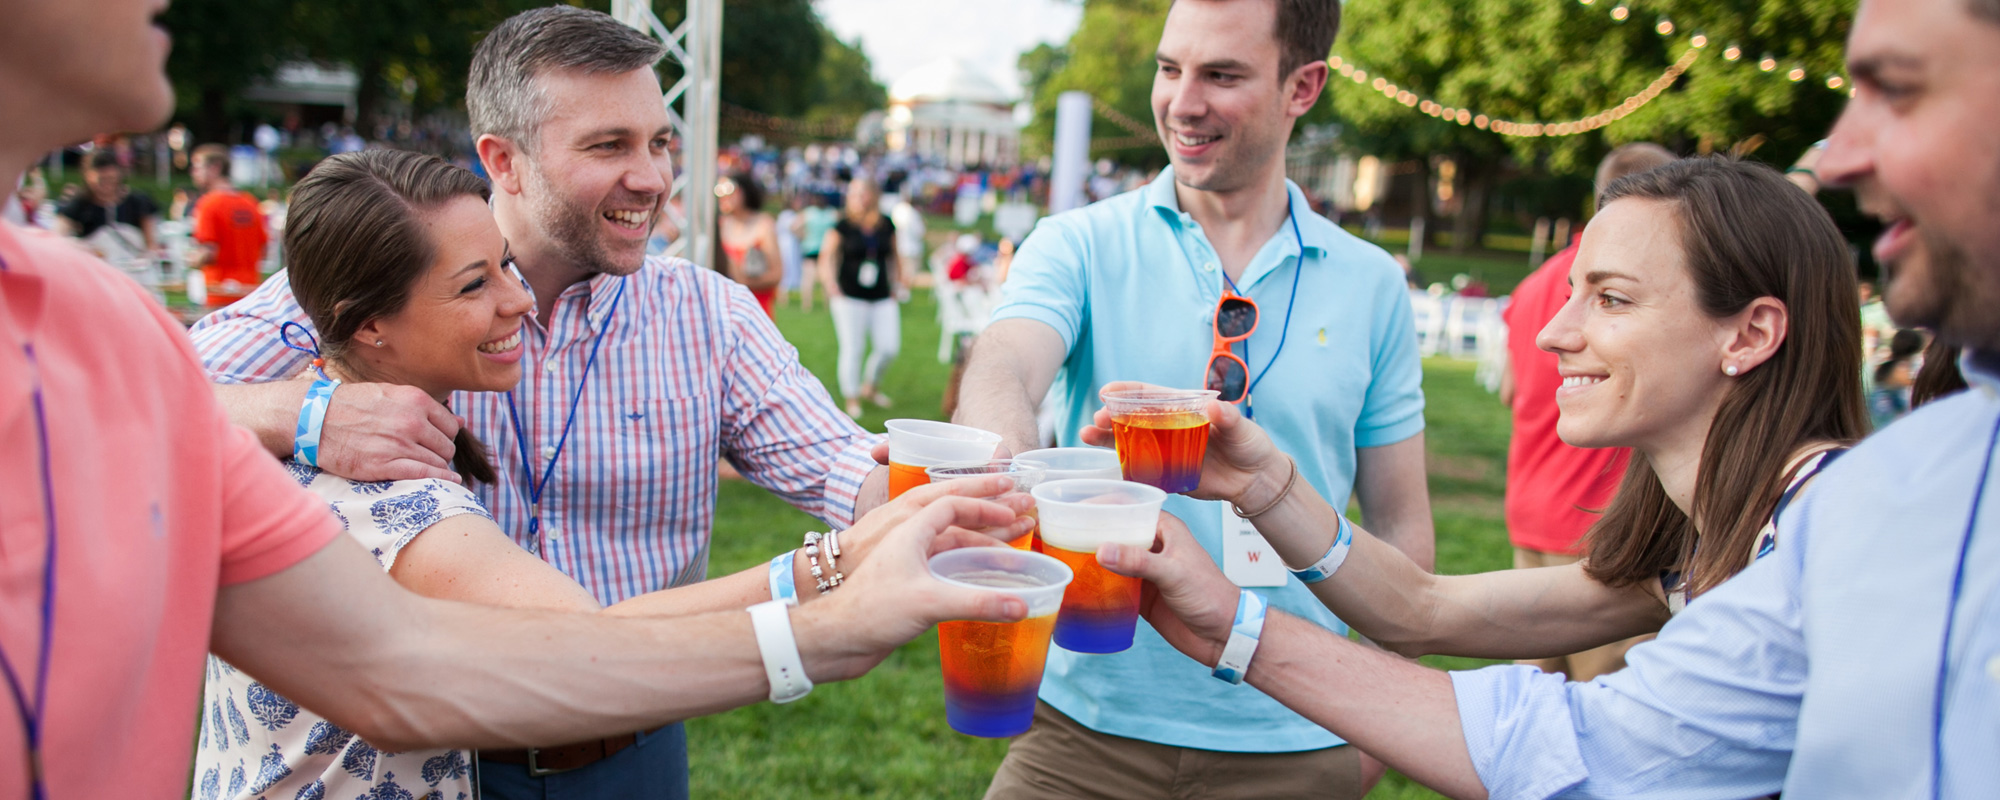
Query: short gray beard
{"x": 573, "y": 230}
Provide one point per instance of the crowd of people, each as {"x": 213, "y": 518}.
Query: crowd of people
{"x": 483, "y": 381}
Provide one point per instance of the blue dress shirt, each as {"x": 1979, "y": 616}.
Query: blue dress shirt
{"x": 1861, "y": 660}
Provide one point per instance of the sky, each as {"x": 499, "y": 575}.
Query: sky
{"x": 899, "y": 35}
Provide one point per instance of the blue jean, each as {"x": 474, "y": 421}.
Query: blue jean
{"x": 656, "y": 766}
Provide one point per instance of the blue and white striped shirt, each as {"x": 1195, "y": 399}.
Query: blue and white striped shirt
{"x": 691, "y": 371}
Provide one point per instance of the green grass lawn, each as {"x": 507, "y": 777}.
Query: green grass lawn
{"x": 885, "y": 735}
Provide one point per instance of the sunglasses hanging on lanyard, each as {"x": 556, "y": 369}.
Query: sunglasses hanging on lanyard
{"x": 1235, "y": 319}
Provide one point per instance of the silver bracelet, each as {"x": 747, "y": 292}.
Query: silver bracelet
{"x": 829, "y": 577}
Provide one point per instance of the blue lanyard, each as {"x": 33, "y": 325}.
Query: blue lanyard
{"x": 535, "y": 487}
{"x": 1249, "y": 405}
{"x": 1951, "y": 616}
{"x": 31, "y": 714}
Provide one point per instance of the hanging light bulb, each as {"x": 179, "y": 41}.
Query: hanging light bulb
{"x": 1699, "y": 40}
{"x": 1621, "y": 12}
{"x": 1834, "y": 82}
{"x": 1664, "y": 27}
{"x": 1767, "y": 63}
{"x": 1586, "y": 2}
{"x": 1731, "y": 53}
{"x": 1796, "y": 74}
{"x": 1334, "y": 62}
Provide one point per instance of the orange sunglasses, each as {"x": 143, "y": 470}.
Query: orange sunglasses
{"x": 1235, "y": 320}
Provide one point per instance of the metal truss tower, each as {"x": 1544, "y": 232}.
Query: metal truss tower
{"x": 693, "y": 103}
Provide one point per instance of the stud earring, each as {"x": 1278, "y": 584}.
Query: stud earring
{"x": 378, "y": 343}
{"x": 1728, "y": 370}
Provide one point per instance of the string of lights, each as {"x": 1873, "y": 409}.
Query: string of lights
{"x": 1697, "y": 44}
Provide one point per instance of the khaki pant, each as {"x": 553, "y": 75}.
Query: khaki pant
{"x": 1589, "y": 663}
{"x": 1059, "y": 758}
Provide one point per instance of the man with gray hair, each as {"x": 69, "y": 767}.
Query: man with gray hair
{"x": 641, "y": 372}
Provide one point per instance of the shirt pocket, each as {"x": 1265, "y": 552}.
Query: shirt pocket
{"x": 663, "y": 472}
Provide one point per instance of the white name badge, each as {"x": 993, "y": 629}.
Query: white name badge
{"x": 1247, "y": 559}
{"x": 867, "y": 274}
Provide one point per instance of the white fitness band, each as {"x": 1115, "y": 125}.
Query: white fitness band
{"x": 773, "y": 622}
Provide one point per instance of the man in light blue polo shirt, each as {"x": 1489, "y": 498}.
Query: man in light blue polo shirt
{"x": 1125, "y": 290}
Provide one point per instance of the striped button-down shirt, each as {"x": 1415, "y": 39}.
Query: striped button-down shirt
{"x": 690, "y": 370}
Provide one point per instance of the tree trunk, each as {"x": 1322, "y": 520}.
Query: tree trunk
{"x": 367, "y": 95}
{"x": 211, "y": 124}
{"x": 1426, "y": 197}
{"x": 1475, "y": 179}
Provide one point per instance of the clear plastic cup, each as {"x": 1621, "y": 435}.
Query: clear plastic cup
{"x": 1101, "y": 607}
{"x": 993, "y": 670}
{"x": 1070, "y": 463}
{"x": 1026, "y": 474}
{"x": 1161, "y": 434}
{"x": 918, "y": 444}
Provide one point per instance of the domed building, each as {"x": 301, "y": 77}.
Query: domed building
{"x": 947, "y": 111}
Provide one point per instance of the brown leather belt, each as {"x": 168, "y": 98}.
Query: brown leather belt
{"x": 545, "y": 761}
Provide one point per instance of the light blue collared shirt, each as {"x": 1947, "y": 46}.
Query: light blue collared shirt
{"x": 1131, "y": 283}
{"x": 1835, "y": 667}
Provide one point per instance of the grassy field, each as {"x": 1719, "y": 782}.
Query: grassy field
{"x": 885, "y": 735}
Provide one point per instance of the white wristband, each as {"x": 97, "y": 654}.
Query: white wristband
{"x": 787, "y": 673}
{"x": 1343, "y": 540}
{"x": 1243, "y": 635}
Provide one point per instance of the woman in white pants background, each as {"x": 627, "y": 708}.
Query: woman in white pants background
{"x": 864, "y": 282}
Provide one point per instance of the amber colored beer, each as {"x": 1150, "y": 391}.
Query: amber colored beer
{"x": 992, "y": 672}
{"x": 903, "y": 477}
{"x": 1027, "y": 541}
{"x": 1099, "y": 608}
{"x": 1161, "y": 450}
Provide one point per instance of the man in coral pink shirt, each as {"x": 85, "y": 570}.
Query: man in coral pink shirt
{"x": 138, "y": 530}
{"x": 1554, "y": 490}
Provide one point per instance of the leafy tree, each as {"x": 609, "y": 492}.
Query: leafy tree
{"x": 844, "y": 84}
{"x": 1110, "y": 56}
{"x": 220, "y": 47}
{"x": 1549, "y": 61}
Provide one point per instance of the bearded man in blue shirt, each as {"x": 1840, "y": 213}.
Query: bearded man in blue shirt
{"x": 1862, "y": 658}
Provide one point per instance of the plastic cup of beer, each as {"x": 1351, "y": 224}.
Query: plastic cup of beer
{"x": 1070, "y": 463}
{"x": 1161, "y": 435}
{"x": 1100, "y": 607}
{"x": 919, "y": 444}
{"x": 1026, "y": 474}
{"x": 993, "y": 670}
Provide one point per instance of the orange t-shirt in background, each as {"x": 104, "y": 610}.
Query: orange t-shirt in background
{"x": 158, "y": 502}
{"x": 230, "y": 221}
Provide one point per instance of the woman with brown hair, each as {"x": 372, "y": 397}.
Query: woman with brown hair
{"x": 1713, "y": 329}
{"x": 397, "y": 260}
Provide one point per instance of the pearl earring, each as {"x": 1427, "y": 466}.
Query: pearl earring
{"x": 1728, "y": 370}
{"x": 378, "y": 343}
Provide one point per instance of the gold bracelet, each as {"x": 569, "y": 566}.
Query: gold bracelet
{"x": 1274, "y": 501}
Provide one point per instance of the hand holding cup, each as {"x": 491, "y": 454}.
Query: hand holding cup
{"x": 1241, "y": 464}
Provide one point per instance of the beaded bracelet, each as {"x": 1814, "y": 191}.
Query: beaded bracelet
{"x": 813, "y": 552}
{"x": 312, "y": 417}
